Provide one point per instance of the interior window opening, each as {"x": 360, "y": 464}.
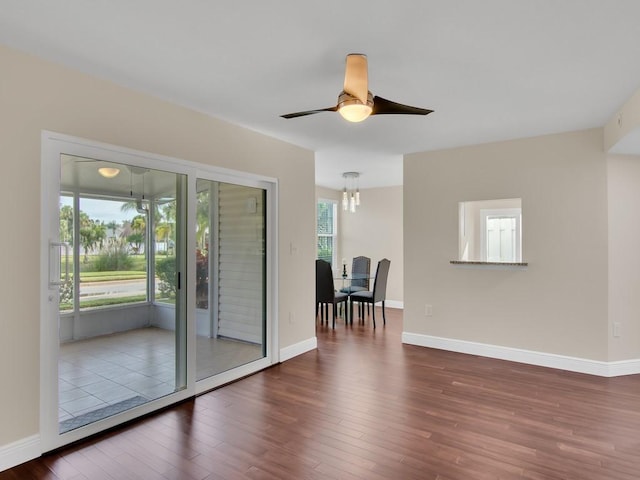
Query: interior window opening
{"x": 490, "y": 231}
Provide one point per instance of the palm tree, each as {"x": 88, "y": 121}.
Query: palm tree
{"x": 164, "y": 231}
{"x": 165, "y": 228}
{"x": 137, "y": 236}
{"x": 66, "y": 223}
{"x": 202, "y": 219}
{"x": 112, "y": 226}
{"x": 92, "y": 233}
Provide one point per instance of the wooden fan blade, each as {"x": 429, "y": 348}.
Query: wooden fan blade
{"x": 309, "y": 112}
{"x": 356, "y": 80}
{"x": 382, "y": 106}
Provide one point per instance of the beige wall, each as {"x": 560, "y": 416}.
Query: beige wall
{"x": 36, "y": 95}
{"x": 374, "y": 231}
{"x": 328, "y": 194}
{"x": 625, "y": 122}
{"x": 556, "y": 305}
{"x": 624, "y": 255}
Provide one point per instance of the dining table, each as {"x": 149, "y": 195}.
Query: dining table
{"x": 346, "y": 280}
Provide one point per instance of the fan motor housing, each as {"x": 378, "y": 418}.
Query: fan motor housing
{"x": 345, "y": 99}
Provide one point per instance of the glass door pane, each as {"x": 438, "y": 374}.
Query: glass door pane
{"x": 122, "y": 341}
{"x": 230, "y": 276}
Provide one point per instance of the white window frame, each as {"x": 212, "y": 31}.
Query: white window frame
{"x": 334, "y": 235}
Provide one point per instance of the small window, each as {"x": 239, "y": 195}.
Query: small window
{"x": 327, "y": 231}
{"x": 490, "y": 231}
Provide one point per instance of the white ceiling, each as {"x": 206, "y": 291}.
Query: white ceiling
{"x": 491, "y": 69}
{"x": 138, "y": 182}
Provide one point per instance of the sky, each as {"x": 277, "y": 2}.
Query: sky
{"x": 102, "y": 210}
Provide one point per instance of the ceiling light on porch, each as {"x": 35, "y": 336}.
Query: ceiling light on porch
{"x": 108, "y": 172}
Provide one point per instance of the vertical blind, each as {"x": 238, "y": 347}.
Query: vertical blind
{"x": 241, "y": 262}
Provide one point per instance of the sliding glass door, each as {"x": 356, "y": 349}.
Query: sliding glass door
{"x": 157, "y": 284}
{"x": 121, "y": 328}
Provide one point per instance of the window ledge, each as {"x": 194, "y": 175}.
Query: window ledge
{"x": 499, "y": 264}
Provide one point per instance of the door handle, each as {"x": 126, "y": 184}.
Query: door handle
{"x": 54, "y": 263}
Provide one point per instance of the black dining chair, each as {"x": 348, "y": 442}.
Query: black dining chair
{"x": 326, "y": 293}
{"x": 378, "y": 294}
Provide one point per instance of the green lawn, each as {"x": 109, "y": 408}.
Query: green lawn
{"x": 138, "y": 263}
{"x": 105, "y": 302}
{"x": 138, "y": 271}
{"x": 87, "y": 277}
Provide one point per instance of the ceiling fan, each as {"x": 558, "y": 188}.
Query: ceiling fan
{"x": 355, "y": 102}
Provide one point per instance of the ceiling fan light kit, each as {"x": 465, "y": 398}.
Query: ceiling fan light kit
{"x": 355, "y": 102}
{"x": 352, "y": 109}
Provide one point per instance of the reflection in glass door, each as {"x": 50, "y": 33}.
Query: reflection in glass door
{"x": 230, "y": 276}
{"x": 121, "y": 308}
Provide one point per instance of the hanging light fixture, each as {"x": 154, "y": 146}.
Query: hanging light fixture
{"x": 351, "y": 191}
{"x": 141, "y": 208}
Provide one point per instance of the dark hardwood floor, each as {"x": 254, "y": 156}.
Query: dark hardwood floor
{"x": 364, "y": 406}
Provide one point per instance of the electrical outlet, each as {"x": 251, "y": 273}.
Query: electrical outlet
{"x": 428, "y": 310}
{"x": 291, "y": 319}
{"x": 616, "y": 329}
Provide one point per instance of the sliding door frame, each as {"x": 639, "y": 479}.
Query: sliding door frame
{"x": 52, "y": 146}
{"x": 271, "y": 279}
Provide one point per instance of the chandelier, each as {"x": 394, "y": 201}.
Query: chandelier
{"x": 351, "y": 191}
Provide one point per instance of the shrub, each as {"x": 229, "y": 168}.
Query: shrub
{"x": 113, "y": 257}
{"x": 166, "y": 272}
{"x": 202, "y": 278}
{"x": 66, "y": 292}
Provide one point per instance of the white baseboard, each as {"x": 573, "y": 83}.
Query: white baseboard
{"x": 562, "y": 362}
{"x": 299, "y": 348}
{"x": 394, "y": 304}
{"x": 624, "y": 367}
{"x": 19, "y": 452}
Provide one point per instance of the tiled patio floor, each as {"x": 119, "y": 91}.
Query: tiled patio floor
{"x": 103, "y": 373}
